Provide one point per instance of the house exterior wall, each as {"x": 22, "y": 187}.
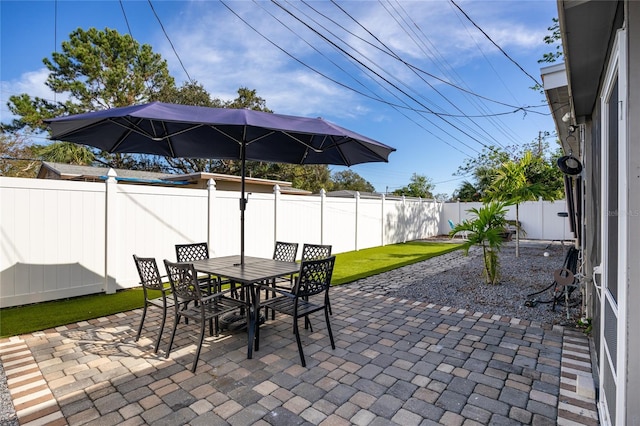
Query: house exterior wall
{"x": 622, "y": 400}
{"x": 633, "y": 284}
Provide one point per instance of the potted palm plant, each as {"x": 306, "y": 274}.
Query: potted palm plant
{"x": 486, "y": 229}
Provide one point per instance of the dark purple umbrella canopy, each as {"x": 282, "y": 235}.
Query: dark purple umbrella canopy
{"x": 187, "y": 131}
{"x": 174, "y": 130}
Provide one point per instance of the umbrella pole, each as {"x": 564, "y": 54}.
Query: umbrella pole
{"x": 243, "y": 201}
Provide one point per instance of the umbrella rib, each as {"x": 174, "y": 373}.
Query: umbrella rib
{"x": 311, "y": 147}
{"x": 244, "y": 135}
{"x": 138, "y": 130}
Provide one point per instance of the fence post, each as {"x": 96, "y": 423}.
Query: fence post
{"x": 323, "y": 195}
{"x": 382, "y": 224}
{"x": 541, "y": 214}
{"x": 211, "y": 199}
{"x": 404, "y": 219}
{"x": 110, "y": 232}
{"x": 357, "y": 214}
{"x": 276, "y": 200}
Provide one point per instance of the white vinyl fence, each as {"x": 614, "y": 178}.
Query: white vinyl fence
{"x": 62, "y": 239}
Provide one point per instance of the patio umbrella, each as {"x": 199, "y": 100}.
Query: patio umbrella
{"x": 174, "y": 130}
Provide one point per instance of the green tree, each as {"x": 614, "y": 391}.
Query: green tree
{"x": 249, "y": 99}
{"x": 190, "y": 93}
{"x": 467, "y": 192}
{"x": 350, "y": 180}
{"x": 420, "y": 186}
{"x": 485, "y": 228}
{"x": 557, "y": 54}
{"x": 94, "y": 70}
{"x": 517, "y": 182}
{"x": 482, "y": 168}
{"x": 65, "y": 152}
{"x": 554, "y": 39}
{"x": 16, "y": 157}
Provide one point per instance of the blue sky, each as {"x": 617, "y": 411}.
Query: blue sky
{"x": 416, "y": 56}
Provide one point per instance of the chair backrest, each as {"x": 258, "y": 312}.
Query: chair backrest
{"x": 285, "y": 252}
{"x": 191, "y": 252}
{"x": 451, "y": 224}
{"x": 149, "y": 274}
{"x": 315, "y": 251}
{"x": 184, "y": 280}
{"x": 314, "y": 277}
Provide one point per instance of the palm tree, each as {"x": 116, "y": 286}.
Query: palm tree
{"x": 515, "y": 183}
{"x": 486, "y": 230}
{"x": 65, "y": 152}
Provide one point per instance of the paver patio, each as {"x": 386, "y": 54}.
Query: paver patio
{"x": 395, "y": 362}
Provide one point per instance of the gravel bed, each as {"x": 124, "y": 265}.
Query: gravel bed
{"x": 462, "y": 285}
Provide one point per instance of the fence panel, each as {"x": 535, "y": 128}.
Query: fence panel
{"x": 63, "y": 239}
{"x": 52, "y": 243}
{"x": 370, "y": 223}
{"x": 299, "y": 220}
{"x": 339, "y": 224}
{"x": 151, "y": 220}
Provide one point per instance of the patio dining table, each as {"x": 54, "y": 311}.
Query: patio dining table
{"x": 255, "y": 270}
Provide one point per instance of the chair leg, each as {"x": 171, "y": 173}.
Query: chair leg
{"x": 164, "y": 320}
{"x": 173, "y": 334}
{"x": 144, "y": 314}
{"x": 297, "y": 333}
{"x": 256, "y": 327}
{"x": 307, "y": 324}
{"x": 326, "y": 317}
{"x": 195, "y": 361}
{"x": 273, "y": 312}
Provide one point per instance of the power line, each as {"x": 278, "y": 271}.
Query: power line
{"x": 378, "y": 74}
{"x": 125, "y": 19}
{"x": 495, "y": 44}
{"x": 169, "y": 40}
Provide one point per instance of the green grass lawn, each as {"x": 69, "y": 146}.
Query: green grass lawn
{"x": 350, "y": 266}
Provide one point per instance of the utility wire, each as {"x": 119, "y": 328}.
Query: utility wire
{"x": 378, "y": 75}
{"x": 421, "y": 38}
{"x": 400, "y": 24}
{"x": 415, "y": 68}
{"x": 399, "y": 108}
{"x": 125, "y": 19}
{"x": 495, "y": 44}
{"x": 351, "y": 57}
{"x": 170, "y": 42}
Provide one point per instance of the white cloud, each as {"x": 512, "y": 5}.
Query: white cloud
{"x": 32, "y": 83}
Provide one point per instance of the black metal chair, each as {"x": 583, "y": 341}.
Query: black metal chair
{"x": 284, "y": 252}
{"x": 186, "y": 253}
{"x": 186, "y": 288}
{"x": 316, "y": 251}
{"x": 314, "y": 279}
{"x": 151, "y": 279}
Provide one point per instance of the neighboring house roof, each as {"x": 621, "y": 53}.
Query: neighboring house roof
{"x": 224, "y": 182}
{"x": 62, "y": 171}
{"x": 347, "y": 193}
